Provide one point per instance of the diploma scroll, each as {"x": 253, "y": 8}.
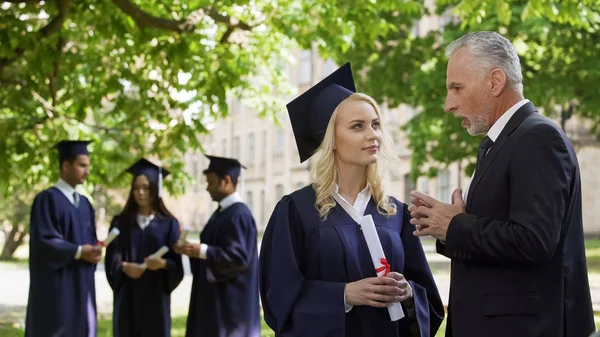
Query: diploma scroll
{"x": 159, "y": 253}
{"x": 184, "y": 233}
{"x": 379, "y": 261}
{"x": 111, "y": 236}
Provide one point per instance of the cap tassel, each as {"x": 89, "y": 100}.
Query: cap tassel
{"x": 160, "y": 182}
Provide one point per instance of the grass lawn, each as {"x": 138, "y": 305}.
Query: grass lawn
{"x": 592, "y": 252}
{"x": 592, "y": 247}
{"x": 178, "y": 328}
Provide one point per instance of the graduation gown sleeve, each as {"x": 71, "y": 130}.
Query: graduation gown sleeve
{"x": 428, "y": 305}
{"x": 113, "y": 258}
{"x": 173, "y": 274}
{"x": 227, "y": 261}
{"x": 53, "y": 249}
{"x": 293, "y": 305}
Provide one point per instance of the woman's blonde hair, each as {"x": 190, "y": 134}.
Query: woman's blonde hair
{"x": 325, "y": 174}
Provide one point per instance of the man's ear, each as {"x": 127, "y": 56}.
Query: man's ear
{"x": 498, "y": 79}
{"x": 227, "y": 180}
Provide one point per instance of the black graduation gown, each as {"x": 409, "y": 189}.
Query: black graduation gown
{"x": 305, "y": 264}
{"x": 142, "y": 307}
{"x": 59, "y": 285}
{"x": 224, "y": 300}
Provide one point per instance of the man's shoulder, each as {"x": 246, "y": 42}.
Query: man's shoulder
{"x": 539, "y": 124}
{"x": 239, "y": 208}
{"x": 50, "y": 192}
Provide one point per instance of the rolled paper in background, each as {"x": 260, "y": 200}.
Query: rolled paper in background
{"x": 184, "y": 234}
{"x": 111, "y": 236}
{"x": 379, "y": 260}
{"x": 159, "y": 253}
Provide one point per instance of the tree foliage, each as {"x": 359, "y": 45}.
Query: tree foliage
{"x": 558, "y": 43}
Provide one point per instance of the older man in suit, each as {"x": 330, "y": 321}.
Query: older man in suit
{"x": 516, "y": 243}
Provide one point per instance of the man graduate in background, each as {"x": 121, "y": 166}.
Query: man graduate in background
{"x": 224, "y": 300}
{"x": 63, "y": 253}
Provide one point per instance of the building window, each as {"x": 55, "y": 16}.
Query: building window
{"x": 224, "y": 147}
{"x": 409, "y": 186}
{"x": 328, "y": 67}
{"x": 278, "y": 192}
{"x": 263, "y": 150}
{"x": 424, "y": 186}
{"x": 279, "y": 145}
{"x": 261, "y": 211}
{"x": 249, "y": 200}
{"x": 305, "y": 69}
{"x": 443, "y": 186}
{"x": 236, "y": 147}
{"x": 250, "y": 149}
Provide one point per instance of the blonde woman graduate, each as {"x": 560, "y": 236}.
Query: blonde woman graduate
{"x": 338, "y": 257}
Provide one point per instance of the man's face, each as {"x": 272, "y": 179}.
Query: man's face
{"x": 215, "y": 186}
{"x": 77, "y": 171}
{"x": 469, "y": 95}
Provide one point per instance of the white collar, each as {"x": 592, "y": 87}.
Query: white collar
{"x": 144, "y": 220}
{"x": 230, "y": 200}
{"x": 497, "y": 128}
{"x": 360, "y": 203}
{"x": 66, "y": 189}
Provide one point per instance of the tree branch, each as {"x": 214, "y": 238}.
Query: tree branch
{"x": 56, "y": 23}
{"x": 146, "y": 20}
{"x": 54, "y": 75}
{"x": 52, "y": 27}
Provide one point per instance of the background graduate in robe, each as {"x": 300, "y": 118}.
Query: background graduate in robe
{"x": 142, "y": 297}
{"x": 63, "y": 253}
{"x": 224, "y": 300}
{"x": 316, "y": 274}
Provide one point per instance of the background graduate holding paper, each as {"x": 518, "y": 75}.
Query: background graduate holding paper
{"x": 224, "y": 300}
{"x": 63, "y": 253}
{"x": 317, "y": 271}
{"x": 142, "y": 285}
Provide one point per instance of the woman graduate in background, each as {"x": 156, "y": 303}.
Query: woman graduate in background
{"x": 142, "y": 296}
{"x": 317, "y": 277}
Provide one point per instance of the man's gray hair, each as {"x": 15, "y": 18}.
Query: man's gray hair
{"x": 491, "y": 50}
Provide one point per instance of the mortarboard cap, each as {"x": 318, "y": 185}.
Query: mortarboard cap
{"x": 152, "y": 171}
{"x": 224, "y": 166}
{"x": 310, "y": 112}
{"x": 147, "y": 168}
{"x": 71, "y": 148}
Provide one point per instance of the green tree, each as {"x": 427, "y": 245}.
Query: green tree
{"x": 558, "y": 43}
{"x": 144, "y": 77}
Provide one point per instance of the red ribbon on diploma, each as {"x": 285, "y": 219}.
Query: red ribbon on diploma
{"x": 385, "y": 266}
{"x": 101, "y": 243}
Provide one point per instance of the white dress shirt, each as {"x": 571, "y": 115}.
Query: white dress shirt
{"x": 360, "y": 205}
{"x": 144, "y": 220}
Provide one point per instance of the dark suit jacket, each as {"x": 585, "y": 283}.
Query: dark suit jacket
{"x": 518, "y": 258}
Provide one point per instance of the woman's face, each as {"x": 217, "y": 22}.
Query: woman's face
{"x": 357, "y": 133}
{"x": 141, "y": 191}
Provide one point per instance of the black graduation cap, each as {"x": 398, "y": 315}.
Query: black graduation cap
{"x": 310, "y": 112}
{"x": 71, "y": 148}
{"x": 224, "y": 166}
{"x": 149, "y": 169}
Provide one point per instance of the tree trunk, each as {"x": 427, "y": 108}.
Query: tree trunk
{"x": 14, "y": 239}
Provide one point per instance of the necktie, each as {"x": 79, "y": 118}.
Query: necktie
{"x": 76, "y": 199}
{"x": 485, "y": 145}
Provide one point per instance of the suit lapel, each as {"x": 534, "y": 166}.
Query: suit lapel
{"x": 510, "y": 127}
